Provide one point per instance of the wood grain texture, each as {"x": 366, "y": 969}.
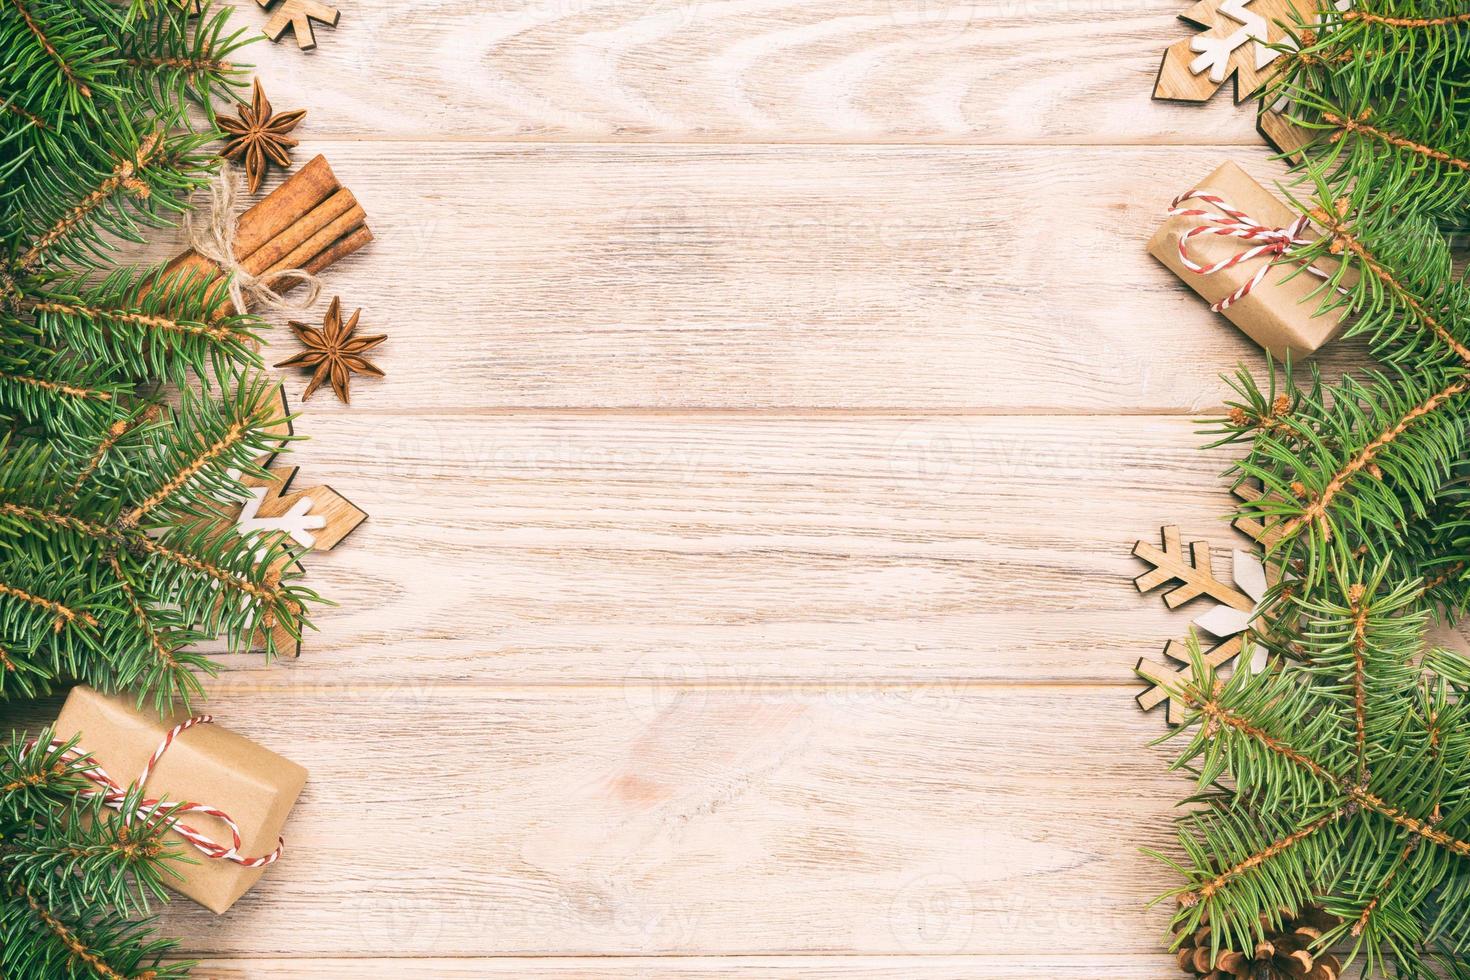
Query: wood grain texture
{"x": 730, "y": 549}
{"x": 774, "y": 391}
{"x": 835, "y": 278}
{"x": 993, "y": 71}
{"x": 579, "y": 821}
{"x": 1075, "y": 967}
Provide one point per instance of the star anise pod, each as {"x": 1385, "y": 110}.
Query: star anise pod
{"x": 259, "y": 135}
{"x": 334, "y": 352}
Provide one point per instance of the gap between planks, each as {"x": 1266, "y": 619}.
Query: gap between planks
{"x": 798, "y": 966}
{"x": 329, "y": 139}
{"x": 513, "y": 689}
{"x": 794, "y": 413}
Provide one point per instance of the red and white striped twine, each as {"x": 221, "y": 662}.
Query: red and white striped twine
{"x": 1231, "y": 222}
{"x": 114, "y": 795}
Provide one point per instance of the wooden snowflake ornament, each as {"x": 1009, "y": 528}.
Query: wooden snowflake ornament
{"x": 314, "y": 518}
{"x": 1235, "y": 39}
{"x": 1236, "y": 607}
{"x": 298, "y": 15}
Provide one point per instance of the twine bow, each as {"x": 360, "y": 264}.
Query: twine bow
{"x": 114, "y": 795}
{"x": 214, "y": 239}
{"x": 1231, "y": 222}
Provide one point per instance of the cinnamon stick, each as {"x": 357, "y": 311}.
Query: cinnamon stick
{"x": 308, "y": 222}
{"x": 269, "y": 217}
{"x": 300, "y": 231}
{"x": 278, "y": 210}
{"x": 339, "y": 249}
{"x": 311, "y": 247}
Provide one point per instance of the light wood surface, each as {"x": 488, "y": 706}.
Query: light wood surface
{"x": 556, "y": 548}
{"x": 1075, "y": 967}
{"x": 775, "y": 389}
{"x": 959, "y": 279}
{"x": 810, "y": 71}
{"x": 1051, "y": 967}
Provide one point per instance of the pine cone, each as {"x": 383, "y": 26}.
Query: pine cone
{"x": 1285, "y": 954}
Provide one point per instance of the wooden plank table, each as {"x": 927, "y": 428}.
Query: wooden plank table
{"x": 775, "y": 389}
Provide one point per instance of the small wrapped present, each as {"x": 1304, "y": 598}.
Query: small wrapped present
{"x": 235, "y": 794}
{"x": 1233, "y": 241}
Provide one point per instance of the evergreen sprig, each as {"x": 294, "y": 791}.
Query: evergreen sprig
{"x": 132, "y": 410}
{"x": 1340, "y": 775}
{"x": 75, "y": 874}
{"x": 1340, "y": 778}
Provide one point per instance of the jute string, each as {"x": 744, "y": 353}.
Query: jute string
{"x": 210, "y": 232}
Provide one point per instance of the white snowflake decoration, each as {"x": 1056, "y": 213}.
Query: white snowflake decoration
{"x": 1236, "y": 607}
{"x": 298, "y": 522}
{"x": 1225, "y": 621}
{"x": 1214, "y": 51}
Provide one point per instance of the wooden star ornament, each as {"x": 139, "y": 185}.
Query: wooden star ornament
{"x": 298, "y": 15}
{"x": 334, "y": 352}
{"x": 258, "y": 134}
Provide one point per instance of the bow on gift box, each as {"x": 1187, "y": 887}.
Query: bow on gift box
{"x": 115, "y": 795}
{"x": 1231, "y": 222}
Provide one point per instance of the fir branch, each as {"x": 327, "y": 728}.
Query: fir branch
{"x": 30, "y": 117}
{"x": 165, "y": 656}
{"x": 67, "y": 71}
{"x": 1349, "y": 125}
{"x": 117, "y": 560}
{"x": 1413, "y": 825}
{"x": 1360, "y": 924}
{"x": 1340, "y": 779}
{"x": 79, "y": 949}
{"x": 115, "y": 433}
{"x": 168, "y": 672}
{"x": 233, "y": 437}
{"x": 1315, "y": 513}
{"x": 1274, "y": 850}
{"x": 86, "y": 945}
{"x": 1369, "y": 17}
{"x": 143, "y": 320}
{"x": 62, "y": 614}
{"x": 128, "y": 538}
{"x": 1359, "y": 602}
{"x": 58, "y": 388}
{"x": 1218, "y": 716}
{"x": 1335, "y": 219}
{"x": 124, "y": 178}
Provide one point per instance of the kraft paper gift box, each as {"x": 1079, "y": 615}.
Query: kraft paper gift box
{"x": 1281, "y": 312}
{"x": 205, "y": 764}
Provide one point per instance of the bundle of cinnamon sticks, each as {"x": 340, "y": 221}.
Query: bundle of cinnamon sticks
{"x": 308, "y": 222}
